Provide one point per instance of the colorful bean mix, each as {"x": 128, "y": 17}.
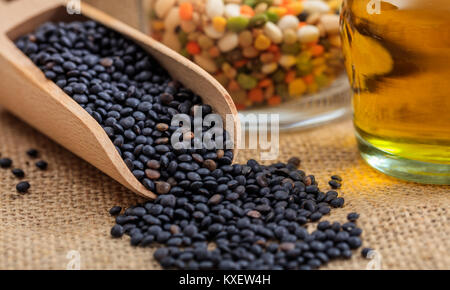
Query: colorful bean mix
{"x": 263, "y": 51}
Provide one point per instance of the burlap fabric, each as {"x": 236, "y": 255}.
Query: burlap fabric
{"x": 67, "y": 207}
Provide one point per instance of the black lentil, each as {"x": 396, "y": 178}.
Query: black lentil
{"x": 42, "y": 165}
{"x": 203, "y": 198}
{"x": 365, "y": 252}
{"x": 334, "y": 184}
{"x": 117, "y": 231}
{"x": 295, "y": 161}
{"x": 337, "y": 202}
{"x": 354, "y": 242}
{"x": 162, "y": 187}
{"x": 336, "y": 177}
{"x": 23, "y": 187}
{"x": 33, "y": 153}
{"x": 18, "y": 172}
{"x": 356, "y": 232}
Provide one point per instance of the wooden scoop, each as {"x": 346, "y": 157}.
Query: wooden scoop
{"x": 26, "y": 92}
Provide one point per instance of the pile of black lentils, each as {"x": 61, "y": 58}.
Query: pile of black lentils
{"x": 210, "y": 213}
{"x": 243, "y": 217}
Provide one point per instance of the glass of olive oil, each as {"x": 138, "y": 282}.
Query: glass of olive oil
{"x": 398, "y": 62}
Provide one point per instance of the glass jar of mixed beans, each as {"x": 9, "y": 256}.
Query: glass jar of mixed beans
{"x": 274, "y": 56}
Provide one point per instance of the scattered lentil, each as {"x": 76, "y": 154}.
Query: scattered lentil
{"x": 117, "y": 231}
{"x": 257, "y": 38}
{"x": 42, "y": 165}
{"x": 5, "y": 162}
{"x": 33, "y": 153}
{"x": 365, "y": 252}
{"x": 22, "y": 187}
{"x": 258, "y": 227}
{"x": 353, "y": 216}
{"x": 115, "y": 210}
{"x": 203, "y": 198}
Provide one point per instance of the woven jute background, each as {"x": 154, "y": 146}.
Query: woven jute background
{"x": 67, "y": 207}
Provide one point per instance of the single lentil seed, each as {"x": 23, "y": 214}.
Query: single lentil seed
{"x": 117, "y": 231}
{"x": 353, "y": 216}
{"x": 23, "y": 187}
{"x": 33, "y": 153}
{"x": 18, "y": 172}
{"x": 336, "y": 177}
{"x": 5, "y": 162}
{"x": 115, "y": 210}
{"x": 334, "y": 184}
{"x": 42, "y": 165}
{"x": 134, "y": 99}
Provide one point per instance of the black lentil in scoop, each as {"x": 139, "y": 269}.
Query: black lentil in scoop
{"x": 132, "y": 97}
{"x": 253, "y": 214}
{"x": 117, "y": 231}
{"x": 334, "y": 184}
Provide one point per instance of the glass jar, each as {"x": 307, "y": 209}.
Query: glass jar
{"x": 398, "y": 61}
{"x": 273, "y": 56}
